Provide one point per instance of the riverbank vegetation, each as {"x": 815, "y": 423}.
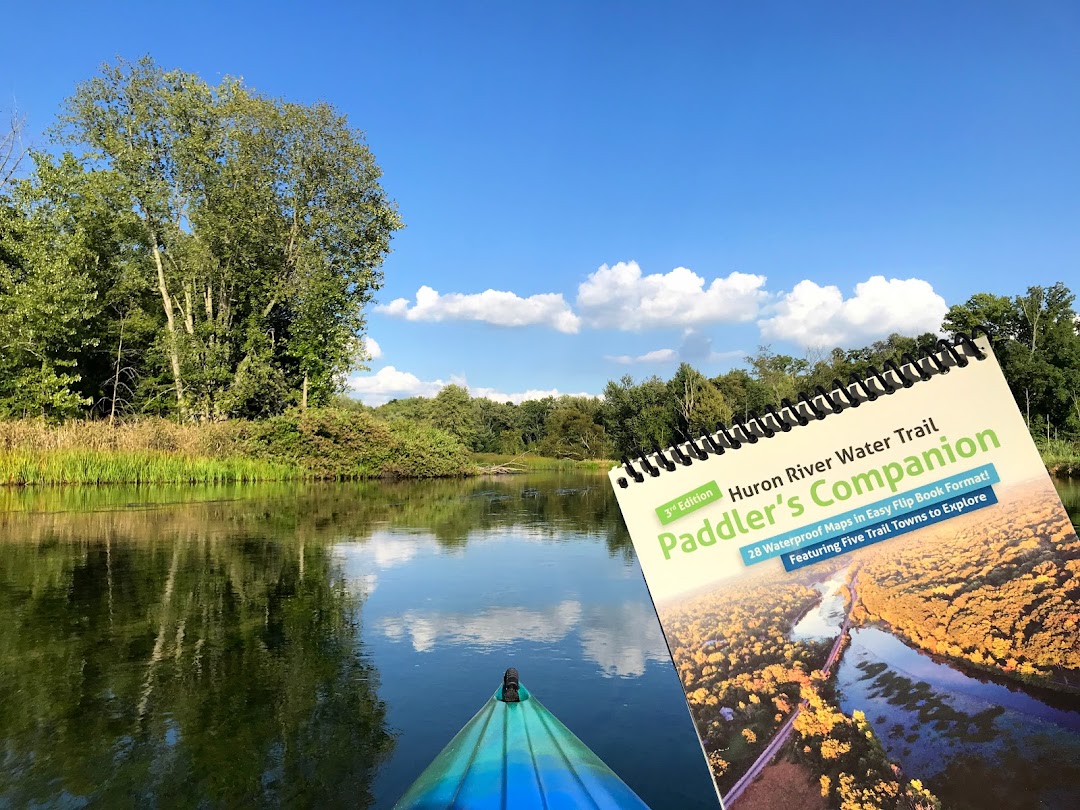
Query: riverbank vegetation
{"x": 204, "y": 254}
{"x": 323, "y": 444}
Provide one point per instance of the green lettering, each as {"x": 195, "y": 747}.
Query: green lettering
{"x": 914, "y": 466}
{"x": 814, "y": 496}
{"x": 983, "y": 434}
{"x": 667, "y": 543}
{"x": 894, "y": 474}
{"x": 705, "y": 534}
{"x": 724, "y": 527}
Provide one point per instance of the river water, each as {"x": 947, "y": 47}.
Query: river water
{"x": 317, "y": 645}
{"x": 976, "y": 743}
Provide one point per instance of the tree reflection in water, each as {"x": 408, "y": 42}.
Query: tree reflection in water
{"x": 195, "y": 656}
{"x": 201, "y": 647}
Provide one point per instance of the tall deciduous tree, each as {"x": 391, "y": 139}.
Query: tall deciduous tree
{"x": 263, "y": 225}
{"x": 454, "y": 411}
{"x": 779, "y": 373}
{"x": 698, "y": 401}
{"x": 1038, "y": 345}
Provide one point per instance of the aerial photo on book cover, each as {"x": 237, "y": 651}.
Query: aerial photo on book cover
{"x": 874, "y": 609}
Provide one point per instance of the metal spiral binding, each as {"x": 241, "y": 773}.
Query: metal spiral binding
{"x": 815, "y": 406}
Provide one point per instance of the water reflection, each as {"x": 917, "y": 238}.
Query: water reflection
{"x": 492, "y": 627}
{"x": 265, "y": 646}
{"x": 823, "y": 621}
{"x": 623, "y": 638}
{"x": 944, "y": 725}
{"x": 1069, "y": 490}
{"x": 184, "y": 668}
{"x": 620, "y": 639}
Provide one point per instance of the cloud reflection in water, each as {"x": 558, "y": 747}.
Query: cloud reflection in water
{"x": 619, "y": 638}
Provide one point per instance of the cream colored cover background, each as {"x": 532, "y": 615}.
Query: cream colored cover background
{"x": 961, "y": 403}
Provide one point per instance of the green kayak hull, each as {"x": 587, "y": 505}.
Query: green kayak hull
{"x": 517, "y": 756}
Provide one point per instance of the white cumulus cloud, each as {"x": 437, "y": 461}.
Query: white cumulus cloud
{"x": 657, "y": 356}
{"x": 389, "y": 383}
{"x": 817, "y": 316}
{"x": 371, "y": 348}
{"x": 517, "y": 399}
{"x": 496, "y": 307}
{"x": 620, "y": 297}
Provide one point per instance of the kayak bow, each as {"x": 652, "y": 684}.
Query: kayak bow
{"x": 516, "y": 754}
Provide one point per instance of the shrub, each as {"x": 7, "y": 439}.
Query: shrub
{"x": 332, "y": 443}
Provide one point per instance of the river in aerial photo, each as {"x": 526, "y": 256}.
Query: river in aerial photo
{"x": 977, "y": 742}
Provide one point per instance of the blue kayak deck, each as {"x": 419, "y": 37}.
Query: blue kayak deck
{"x": 517, "y": 756}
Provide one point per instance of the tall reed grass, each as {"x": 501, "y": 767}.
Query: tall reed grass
{"x": 154, "y": 434}
{"x": 1061, "y": 457}
{"x": 327, "y": 444}
{"x": 147, "y": 451}
{"x": 80, "y": 466}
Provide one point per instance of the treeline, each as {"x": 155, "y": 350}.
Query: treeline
{"x": 193, "y": 251}
{"x": 203, "y": 252}
{"x": 632, "y": 415}
{"x": 1036, "y": 340}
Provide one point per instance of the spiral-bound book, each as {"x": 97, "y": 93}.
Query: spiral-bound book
{"x": 870, "y": 594}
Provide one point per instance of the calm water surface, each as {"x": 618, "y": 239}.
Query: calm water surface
{"x": 318, "y": 645}
{"x": 975, "y": 743}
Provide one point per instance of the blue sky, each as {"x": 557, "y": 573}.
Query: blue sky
{"x": 672, "y": 180}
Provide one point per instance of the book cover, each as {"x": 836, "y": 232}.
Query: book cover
{"x": 877, "y": 608}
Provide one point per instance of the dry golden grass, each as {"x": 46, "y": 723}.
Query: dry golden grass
{"x": 154, "y": 434}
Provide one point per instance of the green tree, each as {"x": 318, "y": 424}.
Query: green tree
{"x": 636, "y": 416}
{"x": 498, "y": 427}
{"x": 573, "y": 430}
{"x": 532, "y": 419}
{"x": 60, "y": 266}
{"x": 778, "y": 373}
{"x": 1038, "y": 347}
{"x": 742, "y": 392}
{"x": 416, "y": 409}
{"x": 698, "y": 401}
{"x": 262, "y": 228}
{"x": 453, "y": 410}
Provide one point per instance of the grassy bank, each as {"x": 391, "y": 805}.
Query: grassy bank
{"x": 139, "y": 467}
{"x": 530, "y": 462}
{"x": 1062, "y": 458}
{"x": 316, "y": 444}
